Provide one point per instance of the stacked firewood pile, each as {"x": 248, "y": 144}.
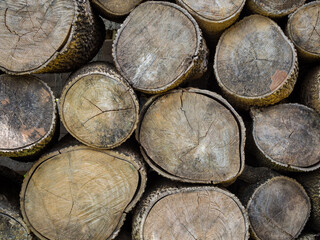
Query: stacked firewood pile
{"x": 158, "y": 120}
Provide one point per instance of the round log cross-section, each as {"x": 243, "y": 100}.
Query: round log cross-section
{"x": 81, "y": 193}
{"x": 287, "y": 136}
{"x": 98, "y": 107}
{"x": 192, "y": 135}
{"x": 310, "y": 93}
{"x": 255, "y": 63}
{"x": 274, "y": 8}
{"x": 158, "y": 46}
{"x": 303, "y": 29}
{"x": 47, "y": 36}
{"x": 190, "y": 213}
{"x": 28, "y": 115}
{"x": 278, "y": 209}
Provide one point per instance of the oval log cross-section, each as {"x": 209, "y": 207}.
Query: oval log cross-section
{"x": 192, "y": 135}
{"x": 81, "y": 193}
{"x": 42, "y": 36}
{"x": 98, "y": 107}
{"x": 190, "y": 213}
{"x": 287, "y": 136}
{"x": 310, "y": 93}
{"x": 28, "y": 115}
{"x": 278, "y": 209}
{"x": 255, "y": 63}
{"x": 274, "y": 8}
{"x": 303, "y": 29}
{"x": 158, "y": 46}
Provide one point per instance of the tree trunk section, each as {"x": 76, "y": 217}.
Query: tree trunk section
{"x": 278, "y": 209}
{"x": 158, "y": 46}
{"x": 192, "y": 135}
{"x": 47, "y": 37}
{"x": 28, "y": 115}
{"x": 274, "y": 8}
{"x": 98, "y": 107}
{"x": 311, "y": 89}
{"x": 81, "y": 193}
{"x": 255, "y": 63}
{"x": 303, "y": 29}
{"x": 287, "y": 137}
{"x": 190, "y": 213}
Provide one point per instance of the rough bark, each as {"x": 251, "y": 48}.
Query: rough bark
{"x": 274, "y": 8}
{"x": 278, "y": 209}
{"x": 28, "y": 115}
{"x": 287, "y": 137}
{"x": 98, "y": 107}
{"x": 190, "y": 213}
{"x": 82, "y": 193}
{"x": 303, "y": 29}
{"x": 192, "y": 135}
{"x": 158, "y": 46}
{"x": 47, "y": 36}
{"x": 310, "y": 94}
{"x": 255, "y": 63}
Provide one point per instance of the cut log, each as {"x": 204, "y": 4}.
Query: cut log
{"x": 28, "y": 115}
{"x": 303, "y": 29}
{"x": 311, "y": 89}
{"x": 158, "y": 46}
{"x": 287, "y": 137}
{"x": 255, "y": 63}
{"x": 192, "y": 135}
{"x": 213, "y": 16}
{"x": 190, "y": 213}
{"x": 311, "y": 182}
{"x": 81, "y": 193}
{"x": 98, "y": 107}
{"x": 309, "y": 236}
{"x": 115, "y": 8}
{"x": 278, "y": 209}
{"x": 274, "y": 8}
{"x": 38, "y": 37}
{"x": 55, "y": 81}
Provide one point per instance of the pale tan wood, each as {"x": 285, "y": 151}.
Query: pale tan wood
{"x": 28, "y": 115}
{"x": 310, "y": 93}
{"x": 255, "y": 63}
{"x": 287, "y": 136}
{"x": 46, "y": 36}
{"x": 98, "y": 107}
{"x": 115, "y": 8}
{"x": 192, "y": 135}
{"x": 303, "y": 29}
{"x": 278, "y": 209}
{"x": 158, "y": 46}
{"x": 190, "y": 213}
{"x": 81, "y": 193}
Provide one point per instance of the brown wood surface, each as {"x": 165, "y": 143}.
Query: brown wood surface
{"x": 304, "y": 29}
{"x": 190, "y": 213}
{"x": 98, "y": 107}
{"x": 192, "y": 135}
{"x": 310, "y": 93}
{"x": 28, "y": 115}
{"x": 255, "y": 63}
{"x": 115, "y": 8}
{"x": 278, "y": 209}
{"x": 42, "y": 36}
{"x": 81, "y": 193}
{"x": 158, "y": 46}
{"x": 288, "y": 135}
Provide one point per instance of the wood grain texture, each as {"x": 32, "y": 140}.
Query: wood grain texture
{"x": 45, "y": 36}
{"x": 274, "y": 8}
{"x": 278, "y": 209}
{"x": 115, "y": 8}
{"x": 28, "y": 115}
{"x": 287, "y": 136}
{"x": 213, "y": 16}
{"x": 310, "y": 93}
{"x": 158, "y": 46}
{"x": 309, "y": 236}
{"x": 255, "y": 63}
{"x": 192, "y": 135}
{"x": 190, "y": 213}
{"x": 81, "y": 193}
{"x": 98, "y": 107}
{"x": 303, "y": 29}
